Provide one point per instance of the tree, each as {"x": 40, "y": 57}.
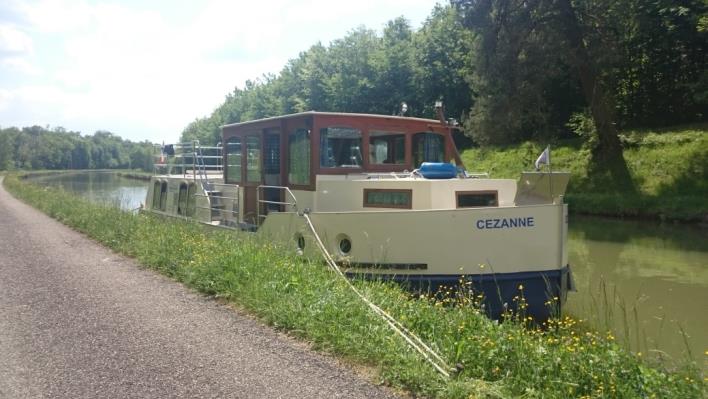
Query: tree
{"x": 7, "y": 148}
{"x": 392, "y": 62}
{"x": 442, "y": 54}
{"x": 662, "y": 78}
{"x": 531, "y": 44}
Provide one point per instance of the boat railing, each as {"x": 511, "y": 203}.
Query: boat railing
{"x": 476, "y": 175}
{"x": 189, "y": 159}
{"x": 389, "y": 175}
{"x": 290, "y": 199}
{"x": 218, "y": 203}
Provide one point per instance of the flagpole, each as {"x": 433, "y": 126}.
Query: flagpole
{"x": 550, "y": 174}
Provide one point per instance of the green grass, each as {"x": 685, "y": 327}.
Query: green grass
{"x": 669, "y": 169}
{"x": 306, "y": 300}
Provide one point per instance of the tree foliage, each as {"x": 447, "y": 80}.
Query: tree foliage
{"x": 511, "y": 69}
{"x": 537, "y": 62}
{"x": 361, "y": 72}
{"x": 43, "y": 148}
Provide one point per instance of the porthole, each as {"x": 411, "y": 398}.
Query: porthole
{"x": 300, "y": 241}
{"x": 345, "y": 244}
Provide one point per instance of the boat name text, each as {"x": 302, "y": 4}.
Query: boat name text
{"x": 506, "y": 223}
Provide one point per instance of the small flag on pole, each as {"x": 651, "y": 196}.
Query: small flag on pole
{"x": 544, "y": 158}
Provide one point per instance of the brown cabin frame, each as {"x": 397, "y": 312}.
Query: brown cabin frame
{"x": 314, "y": 121}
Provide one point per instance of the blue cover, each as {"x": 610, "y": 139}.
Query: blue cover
{"x": 438, "y": 170}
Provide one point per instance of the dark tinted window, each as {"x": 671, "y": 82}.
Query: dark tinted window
{"x": 340, "y": 147}
{"x": 477, "y": 199}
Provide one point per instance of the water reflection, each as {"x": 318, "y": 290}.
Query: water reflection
{"x": 645, "y": 281}
{"x": 102, "y": 187}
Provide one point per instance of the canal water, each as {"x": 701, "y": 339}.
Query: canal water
{"x": 645, "y": 281}
{"x": 648, "y": 282}
{"x": 100, "y": 186}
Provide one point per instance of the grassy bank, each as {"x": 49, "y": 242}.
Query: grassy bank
{"x": 669, "y": 169}
{"x": 135, "y": 175}
{"x": 304, "y": 299}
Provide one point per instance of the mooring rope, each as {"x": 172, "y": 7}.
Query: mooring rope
{"x": 413, "y": 340}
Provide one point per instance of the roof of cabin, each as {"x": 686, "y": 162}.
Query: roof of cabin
{"x": 343, "y": 114}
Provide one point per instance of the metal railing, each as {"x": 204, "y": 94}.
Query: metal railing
{"x": 217, "y": 204}
{"x": 189, "y": 159}
{"x": 289, "y": 195}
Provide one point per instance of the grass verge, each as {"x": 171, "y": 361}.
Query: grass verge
{"x": 303, "y": 298}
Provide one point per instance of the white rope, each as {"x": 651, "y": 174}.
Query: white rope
{"x": 413, "y": 340}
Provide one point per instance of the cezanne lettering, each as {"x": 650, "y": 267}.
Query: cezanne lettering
{"x": 506, "y": 223}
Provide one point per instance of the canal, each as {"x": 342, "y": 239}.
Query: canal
{"x": 647, "y": 282}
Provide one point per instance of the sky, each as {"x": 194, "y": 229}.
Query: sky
{"x": 144, "y": 69}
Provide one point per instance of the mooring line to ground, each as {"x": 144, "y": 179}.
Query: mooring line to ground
{"x": 413, "y": 340}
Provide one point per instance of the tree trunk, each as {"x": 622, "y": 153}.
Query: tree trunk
{"x": 607, "y": 157}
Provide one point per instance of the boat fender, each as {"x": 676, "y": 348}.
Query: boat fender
{"x": 438, "y": 170}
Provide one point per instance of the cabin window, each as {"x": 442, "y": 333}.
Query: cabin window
{"x": 477, "y": 199}
{"x": 428, "y": 147}
{"x": 182, "y": 201}
{"x": 156, "y": 195}
{"x": 253, "y": 159}
{"x": 340, "y": 147}
{"x": 387, "y": 148}
{"x": 191, "y": 199}
{"x": 299, "y": 157}
{"x": 233, "y": 160}
{"x": 388, "y": 198}
{"x": 163, "y": 196}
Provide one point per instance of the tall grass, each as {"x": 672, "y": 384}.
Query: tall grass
{"x": 509, "y": 359}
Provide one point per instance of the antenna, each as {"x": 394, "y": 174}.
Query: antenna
{"x": 439, "y": 110}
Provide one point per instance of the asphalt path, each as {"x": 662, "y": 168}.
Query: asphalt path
{"x": 79, "y": 321}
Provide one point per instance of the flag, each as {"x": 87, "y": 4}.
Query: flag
{"x": 544, "y": 158}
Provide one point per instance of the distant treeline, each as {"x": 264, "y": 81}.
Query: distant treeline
{"x": 41, "y": 148}
{"x": 510, "y": 70}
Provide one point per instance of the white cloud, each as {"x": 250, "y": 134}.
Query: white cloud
{"x": 14, "y": 41}
{"x": 56, "y": 16}
{"x": 145, "y": 74}
{"x": 20, "y": 64}
{"x": 5, "y": 98}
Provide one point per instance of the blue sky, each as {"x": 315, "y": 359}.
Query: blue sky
{"x": 145, "y": 69}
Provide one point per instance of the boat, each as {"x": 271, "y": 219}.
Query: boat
{"x": 390, "y": 199}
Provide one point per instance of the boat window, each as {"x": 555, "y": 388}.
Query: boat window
{"x": 477, "y": 199}
{"x": 387, "y": 148}
{"x": 182, "y": 202}
{"x": 299, "y": 157}
{"x": 428, "y": 147}
{"x": 233, "y": 160}
{"x": 191, "y": 199}
{"x": 253, "y": 159}
{"x": 163, "y": 196}
{"x": 156, "y": 195}
{"x": 340, "y": 147}
{"x": 387, "y": 198}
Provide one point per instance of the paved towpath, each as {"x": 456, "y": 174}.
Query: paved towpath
{"x": 78, "y": 321}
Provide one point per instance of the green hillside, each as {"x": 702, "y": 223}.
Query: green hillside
{"x": 669, "y": 170}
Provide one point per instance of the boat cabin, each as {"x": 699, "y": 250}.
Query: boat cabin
{"x": 290, "y": 151}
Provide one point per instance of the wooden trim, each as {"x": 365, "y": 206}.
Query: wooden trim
{"x": 225, "y": 149}
{"x": 244, "y": 159}
{"x": 289, "y": 127}
{"x": 338, "y": 170}
{"x": 314, "y": 121}
{"x": 458, "y": 193}
{"x": 388, "y": 190}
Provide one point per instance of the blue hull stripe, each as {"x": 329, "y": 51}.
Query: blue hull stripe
{"x": 498, "y": 288}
